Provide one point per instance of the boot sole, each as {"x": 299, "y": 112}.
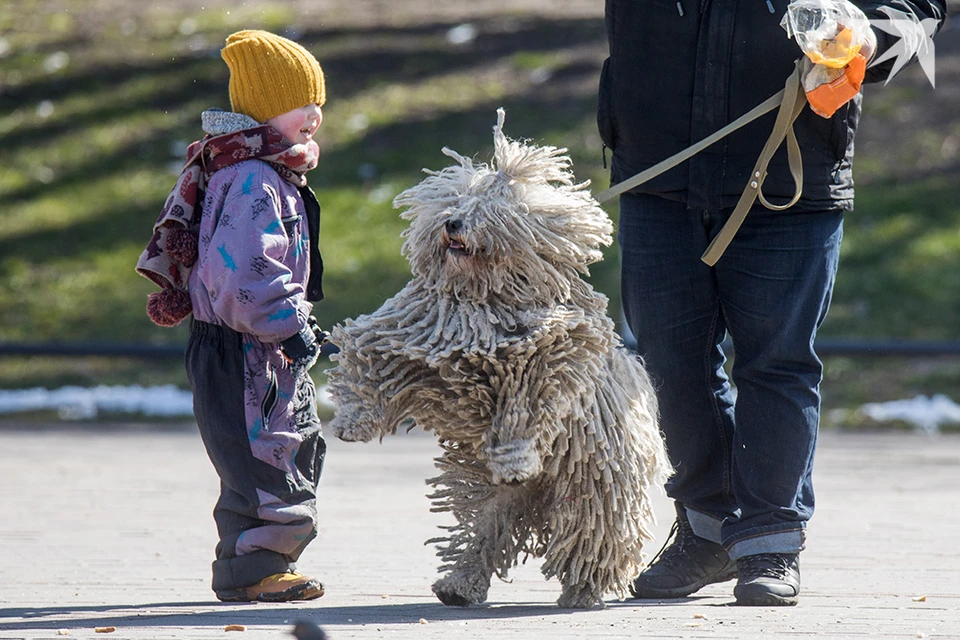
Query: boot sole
{"x": 759, "y": 597}
{"x": 307, "y": 592}
{"x": 680, "y": 592}
{"x": 301, "y": 592}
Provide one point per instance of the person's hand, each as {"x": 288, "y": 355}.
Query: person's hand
{"x": 301, "y": 350}
{"x": 321, "y": 335}
{"x": 869, "y": 47}
{"x": 830, "y": 88}
{"x": 837, "y": 41}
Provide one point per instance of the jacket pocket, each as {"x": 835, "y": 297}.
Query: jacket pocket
{"x": 270, "y": 398}
{"x": 604, "y": 115}
{"x": 290, "y": 225}
{"x": 840, "y": 134}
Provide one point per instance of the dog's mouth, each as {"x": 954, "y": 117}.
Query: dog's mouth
{"x": 456, "y": 245}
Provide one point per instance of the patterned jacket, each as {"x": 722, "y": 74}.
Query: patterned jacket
{"x": 254, "y": 253}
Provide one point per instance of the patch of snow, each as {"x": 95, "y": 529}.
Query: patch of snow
{"x": 81, "y": 403}
{"x": 927, "y": 414}
{"x": 45, "y": 109}
{"x": 57, "y": 61}
{"x": 462, "y": 34}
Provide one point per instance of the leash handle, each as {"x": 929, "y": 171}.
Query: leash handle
{"x": 764, "y": 107}
{"x": 790, "y": 100}
{"x": 794, "y": 99}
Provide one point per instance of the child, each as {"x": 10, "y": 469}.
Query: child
{"x": 236, "y": 245}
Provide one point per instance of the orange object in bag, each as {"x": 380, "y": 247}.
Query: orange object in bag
{"x": 835, "y": 52}
{"x": 826, "y": 98}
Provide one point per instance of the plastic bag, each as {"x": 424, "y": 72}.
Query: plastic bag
{"x": 830, "y": 32}
{"x": 828, "y": 89}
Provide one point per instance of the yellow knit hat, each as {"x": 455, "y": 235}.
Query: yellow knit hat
{"x": 270, "y": 75}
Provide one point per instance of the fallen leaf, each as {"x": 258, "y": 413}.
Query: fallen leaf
{"x": 62, "y": 632}
{"x": 920, "y": 599}
{"x": 234, "y": 627}
{"x": 105, "y": 629}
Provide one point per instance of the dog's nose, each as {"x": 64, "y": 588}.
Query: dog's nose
{"x": 453, "y": 226}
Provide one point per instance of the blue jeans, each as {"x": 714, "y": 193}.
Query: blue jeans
{"x": 743, "y": 457}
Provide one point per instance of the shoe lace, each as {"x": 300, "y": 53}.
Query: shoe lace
{"x": 672, "y": 550}
{"x": 765, "y": 565}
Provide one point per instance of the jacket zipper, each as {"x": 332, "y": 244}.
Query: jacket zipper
{"x": 269, "y": 399}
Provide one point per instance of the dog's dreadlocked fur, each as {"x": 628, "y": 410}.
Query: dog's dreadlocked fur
{"x": 548, "y": 426}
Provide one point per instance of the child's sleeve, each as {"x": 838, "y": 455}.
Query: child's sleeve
{"x": 251, "y": 288}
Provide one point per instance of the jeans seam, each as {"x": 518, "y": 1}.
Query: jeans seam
{"x": 717, "y": 417}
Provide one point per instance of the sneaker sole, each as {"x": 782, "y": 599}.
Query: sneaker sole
{"x": 232, "y": 595}
{"x": 747, "y": 597}
{"x": 305, "y": 591}
{"x": 680, "y": 592}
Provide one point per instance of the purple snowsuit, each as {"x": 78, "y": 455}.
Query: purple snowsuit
{"x": 257, "y": 416}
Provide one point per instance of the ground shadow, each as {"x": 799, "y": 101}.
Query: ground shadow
{"x": 184, "y": 614}
{"x": 700, "y": 601}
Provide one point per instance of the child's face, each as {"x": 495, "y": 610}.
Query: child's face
{"x": 298, "y": 125}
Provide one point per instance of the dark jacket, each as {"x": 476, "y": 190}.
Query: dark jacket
{"x": 672, "y": 80}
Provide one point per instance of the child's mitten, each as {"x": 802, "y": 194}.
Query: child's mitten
{"x": 321, "y": 335}
{"x": 301, "y": 350}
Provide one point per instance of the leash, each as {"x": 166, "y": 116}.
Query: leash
{"x": 790, "y": 100}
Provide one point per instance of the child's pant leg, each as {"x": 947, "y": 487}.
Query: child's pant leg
{"x": 261, "y": 431}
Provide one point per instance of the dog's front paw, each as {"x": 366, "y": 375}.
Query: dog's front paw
{"x": 514, "y": 462}
{"x": 353, "y": 426}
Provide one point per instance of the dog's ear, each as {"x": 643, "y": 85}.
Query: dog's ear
{"x": 439, "y": 190}
{"x": 465, "y": 162}
{"x": 518, "y": 160}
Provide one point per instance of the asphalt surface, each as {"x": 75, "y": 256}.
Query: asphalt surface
{"x": 112, "y": 528}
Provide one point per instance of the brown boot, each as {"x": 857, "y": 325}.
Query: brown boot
{"x": 280, "y": 587}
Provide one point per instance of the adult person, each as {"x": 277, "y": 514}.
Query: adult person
{"x": 676, "y": 74}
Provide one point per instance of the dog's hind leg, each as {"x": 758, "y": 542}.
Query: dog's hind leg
{"x": 467, "y": 582}
{"x": 581, "y": 555}
{"x": 484, "y": 541}
{"x": 468, "y": 578}
{"x": 587, "y": 580}
{"x": 489, "y": 548}
{"x": 580, "y": 597}
{"x": 594, "y": 545}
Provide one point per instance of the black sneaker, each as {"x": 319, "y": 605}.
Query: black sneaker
{"x": 768, "y": 580}
{"x": 684, "y": 566}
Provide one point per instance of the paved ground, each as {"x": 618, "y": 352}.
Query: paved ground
{"x": 113, "y": 529}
